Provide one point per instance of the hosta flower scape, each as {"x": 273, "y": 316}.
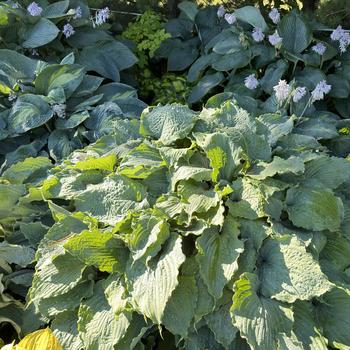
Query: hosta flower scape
{"x": 224, "y": 225}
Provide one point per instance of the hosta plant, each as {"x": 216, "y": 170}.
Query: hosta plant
{"x": 57, "y": 107}
{"x": 219, "y": 50}
{"x": 215, "y": 230}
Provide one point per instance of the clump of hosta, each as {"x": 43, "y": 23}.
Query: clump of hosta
{"x": 216, "y": 228}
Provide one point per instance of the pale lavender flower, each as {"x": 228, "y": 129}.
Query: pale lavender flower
{"x": 12, "y": 96}
{"x": 221, "y": 11}
{"x": 258, "y": 35}
{"x": 275, "y": 39}
{"x": 15, "y": 5}
{"x": 337, "y": 33}
{"x": 230, "y": 18}
{"x": 34, "y": 9}
{"x": 320, "y": 90}
{"x": 68, "y": 30}
{"x": 78, "y": 13}
{"x": 344, "y": 42}
{"x": 299, "y": 93}
{"x": 282, "y": 90}
{"x": 319, "y": 48}
{"x": 102, "y": 16}
{"x": 251, "y": 82}
{"x": 275, "y": 16}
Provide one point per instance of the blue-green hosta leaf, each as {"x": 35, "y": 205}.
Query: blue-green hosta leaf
{"x": 29, "y": 112}
{"x": 40, "y": 34}
{"x": 141, "y": 162}
{"x": 305, "y": 327}
{"x": 99, "y": 328}
{"x": 277, "y": 166}
{"x": 217, "y": 255}
{"x": 202, "y": 338}
{"x": 180, "y": 308}
{"x": 110, "y": 200}
{"x": 9, "y": 194}
{"x": 65, "y": 329}
{"x": 260, "y": 320}
{"x": 67, "y": 76}
{"x": 295, "y": 32}
{"x": 251, "y": 15}
{"x": 16, "y": 254}
{"x": 56, "y": 277}
{"x": 100, "y": 249}
{"x": 329, "y": 172}
{"x": 288, "y": 272}
{"x": 152, "y": 286}
{"x": 56, "y": 9}
{"x": 168, "y": 123}
{"x": 220, "y": 323}
{"x": 314, "y": 209}
{"x": 332, "y": 312}
{"x": 107, "y": 58}
{"x": 28, "y": 170}
{"x": 63, "y": 142}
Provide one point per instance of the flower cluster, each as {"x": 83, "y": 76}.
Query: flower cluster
{"x": 275, "y": 39}
{"x": 34, "y": 9}
{"x": 251, "y": 82}
{"x": 68, "y": 30}
{"x": 299, "y": 93}
{"x": 230, "y": 18}
{"x": 258, "y": 35}
{"x": 282, "y": 90}
{"x": 101, "y": 16}
{"x": 221, "y": 11}
{"x": 339, "y": 34}
{"x": 321, "y": 89}
{"x": 275, "y": 16}
{"x": 319, "y": 48}
{"x": 78, "y": 13}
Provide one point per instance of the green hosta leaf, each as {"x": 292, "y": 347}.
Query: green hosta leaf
{"x": 314, "y": 208}
{"x": 10, "y": 194}
{"x": 180, "y": 308}
{"x": 288, "y": 272}
{"x": 217, "y": 255}
{"x": 153, "y": 286}
{"x": 148, "y": 232}
{"x": 305, "y": 327}
{"x": 56, "y": 277}
{"x": 100, "y": 249}
{"x": 189, "y": 9}
{"x": 103, "y": 163}
{"x": 56, "y": 9}
{"x": 141, "y": 162}
{"x": 260, "y": 320}
{"x": 167, "y": 124}
{"x": 190, "y": 172}
{"x": 110, "y": 200}
{"x": 40, "y": 34}
{"x": 28, "y": 170}
{"x": 202, "y": 338}
{"x": 220, "y": 323}
{"x": 295, "y": 32}
{"x": 29, "y": 112}
{"x": 333, "y": 315}
{"x": 63, "y": 142}
{"x": 330, "y": 172}
{"x": 98, "y": 327}
{"x": 68, "y": 77}
{"x": 251, "y": 15}
{"x": 65, "y": 329}
{"x": 278, "y": 166}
